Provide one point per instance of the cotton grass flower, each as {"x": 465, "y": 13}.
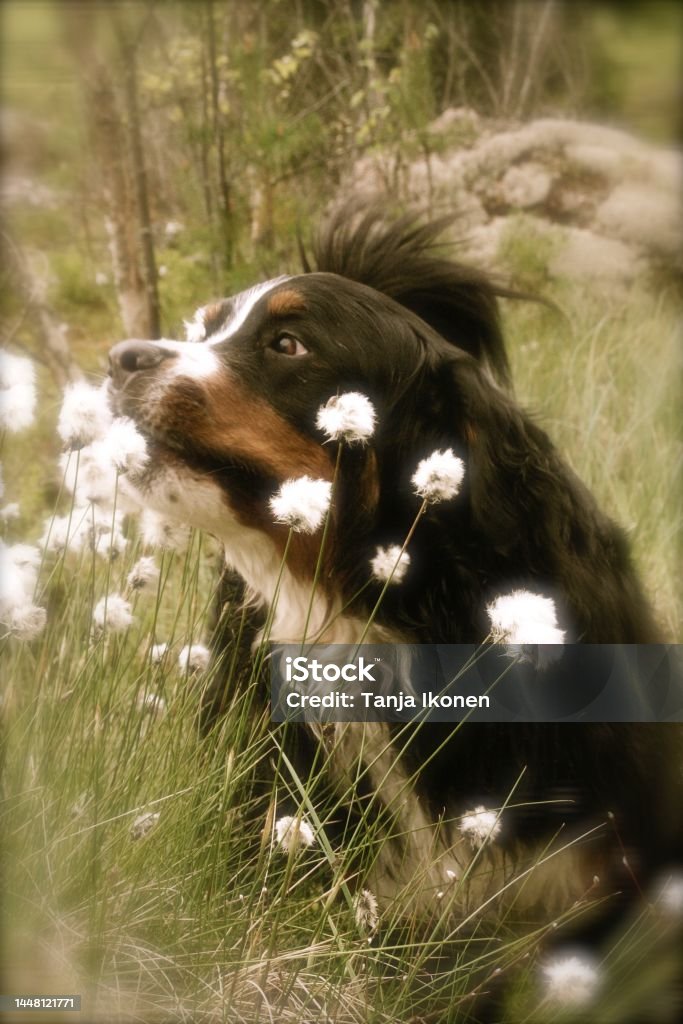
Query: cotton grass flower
{"x": 157, "y": 532}
{"x": 390, "y": 564}
{"x": 349, "y": 417}
{"x": 18, "y": 577}
{"x": 365, "y": 910}
{"x": 194, "y": 658}
{"x": 571, "y": 981}
{"x": 125, "y": 446}
{"x": 438, "y": 477}
{"x": 88, "y": 528}
{"x": 92, "y": 473}
{"x": 143, "y": 574}
{"x": 17, "y": 392}
{"x": 143, "y": 824}
{"x": 479, "y": 826}
{"x": 523, "y": 617}
{"x": 302, "y": 504}
{"x": 84, "y": 416}
{"x": 293, "y": 833}
{"x": 112, "y": 612}
{"x": 102, "y": 532}
{"x": 25, "y": 622}
{"x": 89, "y": 475}
{"x": 158, "y": 653}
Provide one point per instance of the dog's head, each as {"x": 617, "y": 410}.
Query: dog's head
{"x": 231, "y": 414}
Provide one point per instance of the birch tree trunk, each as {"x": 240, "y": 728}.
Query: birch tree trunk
{"x": 117, "y": 153}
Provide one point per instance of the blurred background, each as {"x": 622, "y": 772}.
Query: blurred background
{"x": 157, "y": 156}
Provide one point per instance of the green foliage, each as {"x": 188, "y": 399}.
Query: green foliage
{"x": 75, "y": 289}
{"x": 525, "y": 251}
{"x": 632, "y": 50}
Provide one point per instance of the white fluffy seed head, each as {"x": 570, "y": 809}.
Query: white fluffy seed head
{"x": 302, "y": 504}
{"x": 124, "y": 446}
{"x": 158, "y": 532}
{"x": 293, "y": 833}
{"x": 194, "y": 658}
{"x": 112, "y": 612}
{"x": 480, "y": 825}
{"x": 390, "y": 564}
{"x": 523, "y": 617}
{"x": 365, "y": 910}
{"x": 89, "y": 474}
{"x": 143, "y": 574}
{"x": 17, "y": 392}
{"x": 349, "y": 417}
{"x": 19, "y": 565}
{"x": 143, "y": 824}
{"x": 25, "y": 622}
{"x": 89, "y": 528}
{"x": 62, "y": 532}
{"x": 438, "y": 477}
{"x": 571, "y": 981}
{"x": 158, "y": 653}
{"x": 84, "y": 416}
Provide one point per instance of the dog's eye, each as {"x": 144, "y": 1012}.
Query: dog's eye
{"x": 286, "y": 345}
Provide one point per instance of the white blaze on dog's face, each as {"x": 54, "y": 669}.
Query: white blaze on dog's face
{"x": 201, "y": 420}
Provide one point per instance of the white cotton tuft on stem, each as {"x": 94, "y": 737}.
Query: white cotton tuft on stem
{"x": 84, "y": 417}
{"x": 366, "y": 910}
{"x": 390, "y": 564}
{"x": 124, "y": 446}
{"x": 571, "y": 981}
{"x": 17, "y": 392}
{"x": 194, "y": 658}
{"x": 302, "y": 504}
{"x": 349, "y": 417}
{"x": 480, "y": 826}
{"x": 523, "y": 618}
{"x": 143, "y": 574}
{"x": 112, "y": 612}
{"x": 439, "y": 476}
{"x": 293, "y": 833}
{"x": 158, "y": 532}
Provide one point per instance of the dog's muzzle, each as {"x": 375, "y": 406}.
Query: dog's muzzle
{"x": 133, "y": 356}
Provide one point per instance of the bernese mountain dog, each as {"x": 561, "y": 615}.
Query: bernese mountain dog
{"x": 230, "y": 414}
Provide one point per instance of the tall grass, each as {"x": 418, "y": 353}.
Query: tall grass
{"x": 199, "y": 914}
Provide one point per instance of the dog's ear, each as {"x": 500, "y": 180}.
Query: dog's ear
{"x": 522, "y": 497}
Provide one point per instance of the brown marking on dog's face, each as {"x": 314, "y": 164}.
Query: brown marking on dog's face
{"x": 253, "y": 449}
{"x": 289, "y": 300}
{"x": 238, "y": 425}
{"x": 470, "y": 433}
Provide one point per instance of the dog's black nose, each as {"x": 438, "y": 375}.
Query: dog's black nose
{"x": 130, "y": 356}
